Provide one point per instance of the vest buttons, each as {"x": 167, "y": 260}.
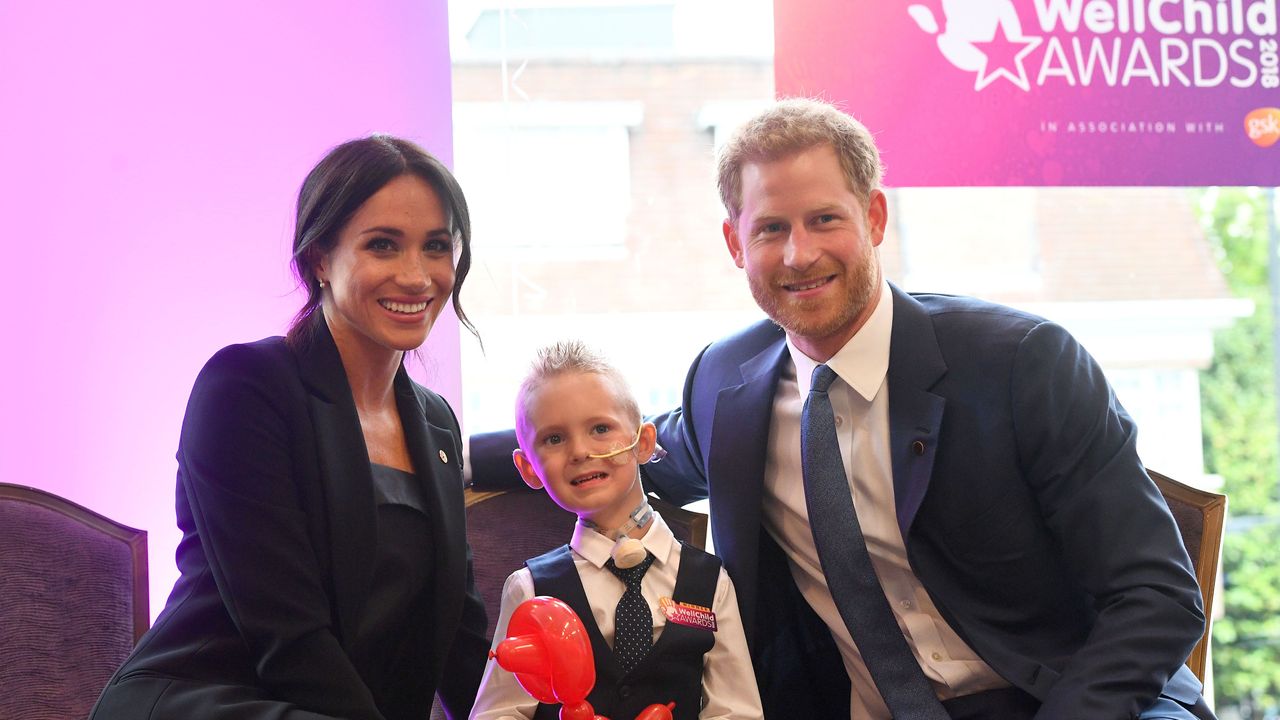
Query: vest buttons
{"x": 917, "y": 447}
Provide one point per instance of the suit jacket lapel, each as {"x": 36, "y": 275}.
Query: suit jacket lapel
{"x": 736, "y": 464}
{"x": 915, "y": 414}
{"x": 439, "y": 468}
{"x": 345, "y": 477}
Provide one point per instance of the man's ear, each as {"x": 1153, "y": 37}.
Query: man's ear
{"x": 734, "y": 243}
{"x": 525, "y": 466}
{"x": 648, "y": 441}
{"x": 877, "y": 216}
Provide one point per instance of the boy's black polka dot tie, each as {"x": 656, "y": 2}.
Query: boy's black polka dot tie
{"x": 632, "y": 621}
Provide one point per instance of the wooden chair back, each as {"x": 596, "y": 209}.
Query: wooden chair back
{"x": 1201, "y": 516}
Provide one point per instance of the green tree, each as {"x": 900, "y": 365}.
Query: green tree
{"x": 1240, "y": 443}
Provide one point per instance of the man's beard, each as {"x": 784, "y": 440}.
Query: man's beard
{"x": 819, "y": 318}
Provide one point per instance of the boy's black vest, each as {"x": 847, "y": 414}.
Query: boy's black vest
{"x": 672, "y": 671}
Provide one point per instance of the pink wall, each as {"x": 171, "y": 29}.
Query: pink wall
{"x": 150, "y": 154}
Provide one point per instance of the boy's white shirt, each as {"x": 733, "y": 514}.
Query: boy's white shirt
{"x": 728, "y": 681}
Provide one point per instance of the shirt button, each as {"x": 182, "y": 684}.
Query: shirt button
{"x": 937, "y": 656}
{"x": 906, "y": 604}
{"x": 839, "y": 420}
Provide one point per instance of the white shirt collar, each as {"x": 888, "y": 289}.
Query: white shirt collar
{"x": 595, "y": 548}
{"x": 864, "y": 360}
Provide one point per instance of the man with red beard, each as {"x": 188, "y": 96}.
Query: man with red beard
{"x": 931, "y": 506}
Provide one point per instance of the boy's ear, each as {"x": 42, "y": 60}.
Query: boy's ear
{"x": 527, "y": 473}
{"x": 648, "y": 441}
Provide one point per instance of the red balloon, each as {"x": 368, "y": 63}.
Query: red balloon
{"x": 548, "y": 650}
{"x": 657, "y": 712}
{"x": 578, "y": 711}
{"x": 525, "y": 657}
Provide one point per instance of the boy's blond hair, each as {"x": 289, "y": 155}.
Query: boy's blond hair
{"x": 570, "y": 356}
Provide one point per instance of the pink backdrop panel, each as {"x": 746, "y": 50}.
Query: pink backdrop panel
{"x": 1047, "y": 92}
{"x": 150, "y": 156}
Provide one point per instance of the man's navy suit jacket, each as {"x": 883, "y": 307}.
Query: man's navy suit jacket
{"x": 1026, "y": 512}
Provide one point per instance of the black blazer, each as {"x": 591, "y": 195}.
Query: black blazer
{"x": 275, "y": 501}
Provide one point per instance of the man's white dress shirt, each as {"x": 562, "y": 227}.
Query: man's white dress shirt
{"x": 860, "y": 400}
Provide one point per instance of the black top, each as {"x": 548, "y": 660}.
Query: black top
{"x": 396, "y": 607}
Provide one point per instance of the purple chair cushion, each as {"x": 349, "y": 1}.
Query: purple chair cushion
{"x": 507, "y": 529}
{"x": 66, "y": 612}
{"x": 1190, "y": 520}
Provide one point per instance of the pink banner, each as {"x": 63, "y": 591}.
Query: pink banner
{"x": 150, "y": 160}
{"x": 1048, "y": 92}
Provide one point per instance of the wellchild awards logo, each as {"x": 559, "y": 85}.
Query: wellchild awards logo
{"x": 1114, "y": 43}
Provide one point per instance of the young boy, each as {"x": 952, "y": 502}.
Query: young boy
{"x": 581, "y": 438}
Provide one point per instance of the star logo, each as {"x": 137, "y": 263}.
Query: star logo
{"x": 1002, "y": 53}
{"x": 980, "y": 36}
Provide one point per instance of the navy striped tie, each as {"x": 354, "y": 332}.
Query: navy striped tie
{"x": 847, "y": 565}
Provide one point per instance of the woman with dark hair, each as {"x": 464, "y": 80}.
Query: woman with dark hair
{"x": 324, "y": 566}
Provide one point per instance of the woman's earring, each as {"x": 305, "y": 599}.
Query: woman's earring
{"x": 321, "y": 284}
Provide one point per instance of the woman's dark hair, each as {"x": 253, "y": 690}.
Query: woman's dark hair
{"x": 348, "y": 176}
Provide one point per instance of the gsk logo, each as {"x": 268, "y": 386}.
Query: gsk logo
{"x": 1263, "y": 126}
